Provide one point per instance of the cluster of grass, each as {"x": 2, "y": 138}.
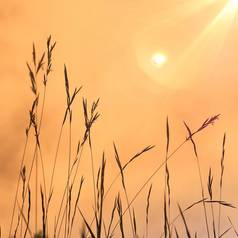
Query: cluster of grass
{"x": 22, "y": 223}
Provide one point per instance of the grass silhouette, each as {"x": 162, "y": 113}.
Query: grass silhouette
{"x": 23, "y": 224}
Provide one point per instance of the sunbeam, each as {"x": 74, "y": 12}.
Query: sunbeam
{"x": 210, "y": 41}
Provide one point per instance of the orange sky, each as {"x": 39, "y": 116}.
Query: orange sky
{"x": 107, "y": 46}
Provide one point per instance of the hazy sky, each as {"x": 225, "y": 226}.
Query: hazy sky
{"x": 108, "y": 47}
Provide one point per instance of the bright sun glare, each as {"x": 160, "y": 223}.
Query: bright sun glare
{"x": 232, "y": 4}
{"x": 159, "y": 59}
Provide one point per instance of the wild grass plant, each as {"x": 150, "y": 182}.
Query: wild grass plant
{"x": 32, "y": 179}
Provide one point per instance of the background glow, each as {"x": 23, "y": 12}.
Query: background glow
{"x": 110, "y": 56}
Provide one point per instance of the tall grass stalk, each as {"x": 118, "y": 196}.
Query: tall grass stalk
{"x": 210, "y": 191}
{"x": 221, "y": 181}
{"x": 200, "y": 178}
{"x": 205, "y": 124}
{"x": 124, "y": 186}
{"x": 67, "y": 217}
{"x": 18, "y": 184}
{"x": 37, "y": 67}
{"x": 75, "y": 163}
{"x": 129, "y": 162}
{"x": 167, "y": 185}
{"x": 147, "y": 211}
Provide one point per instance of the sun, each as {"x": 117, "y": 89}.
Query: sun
{"x": 159, "y": 59}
